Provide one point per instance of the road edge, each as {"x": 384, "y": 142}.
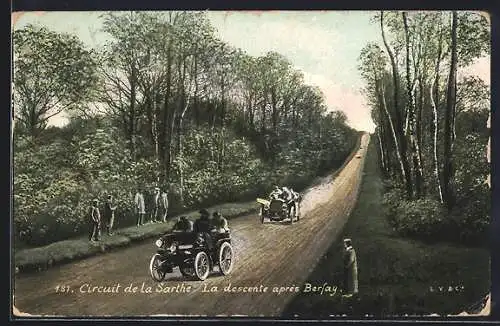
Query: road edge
{"x": 66, "y": 251}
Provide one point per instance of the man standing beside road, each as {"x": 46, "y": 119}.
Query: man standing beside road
{"x": 156, "y": 204}
{"x": 350, "y": 270}
{"x": 140, "y": 207}
{"x": 95, "y": 222}
{"x": 109, "y": 214}
{"x": 164, "y": 205}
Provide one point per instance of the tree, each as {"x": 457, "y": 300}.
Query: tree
{"x": 449, "y": 122}
{"x": 53, "y": 72}
{"x": 398, "y": 126}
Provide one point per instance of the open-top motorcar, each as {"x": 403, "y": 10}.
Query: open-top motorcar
{"x": 277, "y": 209}
{"x": 192, "y": 254}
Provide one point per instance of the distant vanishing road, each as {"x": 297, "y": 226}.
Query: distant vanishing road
{"x": 267, "y": 255}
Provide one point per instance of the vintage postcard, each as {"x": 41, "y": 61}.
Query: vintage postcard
{"x": 290, "y": 164}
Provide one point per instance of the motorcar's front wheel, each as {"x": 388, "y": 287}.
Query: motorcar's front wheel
{"x": 155, "y": 268}
{"x": 201, "y": 266}
{"x": 226, "y": 260}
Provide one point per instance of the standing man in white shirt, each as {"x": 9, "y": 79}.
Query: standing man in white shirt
{"x": 164, "y": 205}
{"x": 140, "y": 206}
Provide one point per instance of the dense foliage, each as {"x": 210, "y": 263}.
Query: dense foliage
{"x": 431, "y": 122}
{"x": 172, "y": 107}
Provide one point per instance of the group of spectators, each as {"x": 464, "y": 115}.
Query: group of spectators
{"x": 155, "y": 206}
{"x": 96, "y": 221}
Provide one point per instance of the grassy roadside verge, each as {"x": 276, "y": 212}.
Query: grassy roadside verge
{"x": 40, "y": 258}
{"x": 397, "y": 276}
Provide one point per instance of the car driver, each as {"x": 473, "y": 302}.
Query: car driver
{"x": 276, "y": 193}
{"x": 203, "y": 225}
{"x": 183, "y": 225}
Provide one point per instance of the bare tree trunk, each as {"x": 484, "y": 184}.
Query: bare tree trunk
{"x": 450, "y": 117}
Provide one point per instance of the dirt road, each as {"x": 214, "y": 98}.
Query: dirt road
{"x": 270, "y": 255}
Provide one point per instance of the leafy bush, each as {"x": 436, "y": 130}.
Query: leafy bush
{"x": 423, "y": 218}
{"x": 56, "y": 181}
{"x": 429, "y": 220}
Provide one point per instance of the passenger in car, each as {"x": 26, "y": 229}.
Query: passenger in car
{"x": 219, "y": 223}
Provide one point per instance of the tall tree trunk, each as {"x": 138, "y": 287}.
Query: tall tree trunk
{"x": 420, "y": 134}
{"x": 410, "y": 87}
{"x": 165, "y": 137}
{"x": 393, "y": 129}
{"x": 263, "y": 118}
{"x": 133, "y": 99}
{"x": 398, "y": 127}
{"x": 274, "y": 115}
{"x": 196, "y": 87}
{"x": 434, "y": 97}
{"x": 182, "y": 103}
{"x": 381, "y": 132}
{"x": 381, "y": 148}
{"x": 222, "y": 125}
{"x": 181, "y": 133}
{"x": 450, "y": 117}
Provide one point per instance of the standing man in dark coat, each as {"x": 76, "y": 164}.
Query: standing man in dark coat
{"x": 350, "y": 269}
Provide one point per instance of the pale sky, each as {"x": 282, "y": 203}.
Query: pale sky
{"x": 324, "y": 45}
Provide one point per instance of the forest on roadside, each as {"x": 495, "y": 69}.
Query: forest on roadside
{"x": 163, "y": 103}
{"x": 431, "y": 122}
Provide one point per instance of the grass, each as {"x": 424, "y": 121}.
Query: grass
{"x": 40, "y": 258}
{"x": 397, "y": 276}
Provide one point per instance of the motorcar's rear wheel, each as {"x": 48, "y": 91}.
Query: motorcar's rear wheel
{"x": 155, "y": 268}
{"x": 201, "y": 266}
{"x": 226, "y": 259}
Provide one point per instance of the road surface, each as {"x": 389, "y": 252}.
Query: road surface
{"x": 276, "y": 256}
